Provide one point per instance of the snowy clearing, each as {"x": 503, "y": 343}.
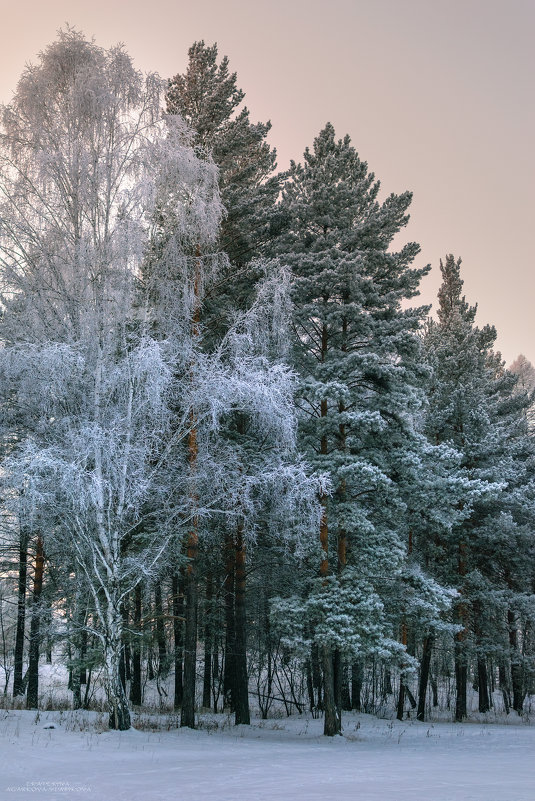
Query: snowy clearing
{"x": 275, "y": 759}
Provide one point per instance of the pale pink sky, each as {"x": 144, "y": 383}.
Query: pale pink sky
{"x": 436, "y": 96}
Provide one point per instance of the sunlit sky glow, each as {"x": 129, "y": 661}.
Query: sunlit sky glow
{"x": 437, "y": 98}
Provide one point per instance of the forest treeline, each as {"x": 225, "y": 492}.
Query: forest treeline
{"x": 234, "y": 449}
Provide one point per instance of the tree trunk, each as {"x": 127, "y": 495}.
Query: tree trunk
{"x": 356, "y": 685}
{"x": 316, "y": 675}
{"x": 461, "y": 658}
{"x": 230, "y": 625}
{"x": 207, "y": 675}
{"x": 187, "y": 716}
{"x": 135, "y": 684}
{"x": 483, "y": 684}
{"x": 424, "y": 676}
{"x": 76, "y": 672}
{"x": 83, "y": 655}
{"x": 338, "y": 679}
{"x": 461, "y": 676}
{"x": 401, "y": 700}
{"x": 332, "y": 723}
{"x": 516, "y": 664}
{"x": 187, "y": 713}
{"x": 119, "y": 714}
{"x": 241, "y": 684}
{"x": 178, "y": 635}
{"x": 346, "y": 693}
{"x": 33, "y": 656}
{"x": 434, "y": 689}
{"x": 402, "y": 688}
{"x": 160, "y": 630}
{"x": 18, "y": 684}
{"x": 504, "y": 686}
{"x": 310, "y": 685}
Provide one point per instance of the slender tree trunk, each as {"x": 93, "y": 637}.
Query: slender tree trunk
{"x": 316, "y": 675}
{"x": 187, "y": 713}
{"x": 230, "y": 625}
{"x": 35, "y": 639}
{"x": 331, "y": 722}
{"x": 207, "y": 675}
{"x": 18, "y": 684}
{"x": 160, "y": 630}
{"x": 135, "y": 684}
{"x": 178, "y": 634}
{"x": 461, "y": 678}
{"x": 310, "y": 685}
{"x": 83, "y": 655}
{"x": 461, "y": 657}
{"x": 424, "y": 675}
{"x": 345, "y": 692}
{"x": 516, "y": 664}
{"x": 402, "y": 687}
{"x": 241, "y": 686}
{"x": 434, "y": 689}
{"x": 504, "y": 686}
{"x": 356, "y": 685}
{"x": 76, "y": 672}
{"x": 187, "y": 716}
{"x": 483, "y": 684}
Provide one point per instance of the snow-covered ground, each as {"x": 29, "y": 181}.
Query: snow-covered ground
{"x": 375, "y": 760}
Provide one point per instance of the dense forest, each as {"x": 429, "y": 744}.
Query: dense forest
{"x": 240, "y": 463}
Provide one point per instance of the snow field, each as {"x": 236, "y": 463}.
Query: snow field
{"x": 374, "y": 760}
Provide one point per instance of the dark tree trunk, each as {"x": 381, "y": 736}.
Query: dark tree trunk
{"x": 230, "y": 625}
{"x": 160, "y": 630}
{"x": 332, "y": 722}
{"x": 356, "y": 685}
{"x": 83, "y": 655}
{"x": 75, "y": 676}
{"x": 483, "y": 684}
{"x": 187, "y": 717}
{"x": 424, "y": 676}
{"x": 310, "y": 686}
{"x": 33, "y": 657}
{"x": 461, "y": 677}
{"x": 150, "y": 667}
{"x": 178, "y": 634}
{"x": 516, "y": 665}
{"x": 216, "y": 678}
{"x": 187, "y": 712}
{"x": 207, "y": 675}
{"x": 127, "y": 651}
{"x": 346, "y": 695}
{"x": 434, "y": 689}
{"x": 122, "y": 670}
{"x": 135, "y": 684}
{"x": 504, "y": 686}
{"x": 18, "y": 683}
{"x": 401, "y": 699}
{"x": 402, "y": 688}
{"x": 87, "y": 688}
{"x": 241, "y": 684}
{"x": 316, "y": 675}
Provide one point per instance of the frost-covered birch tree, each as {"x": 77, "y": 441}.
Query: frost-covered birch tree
{"x": 87, "y": 380}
